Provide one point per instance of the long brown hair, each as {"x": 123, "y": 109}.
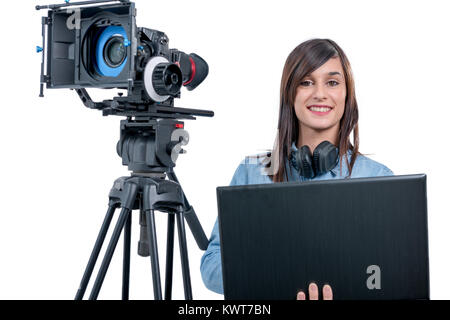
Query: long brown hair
{"x": 303, "y": 60}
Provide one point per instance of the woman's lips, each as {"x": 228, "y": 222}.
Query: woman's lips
{"x": 320, "y": 110}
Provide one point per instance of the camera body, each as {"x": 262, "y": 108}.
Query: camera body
{"x": 101, "y": 47}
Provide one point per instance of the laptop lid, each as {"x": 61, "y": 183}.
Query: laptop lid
{"x": 366, "y": 237}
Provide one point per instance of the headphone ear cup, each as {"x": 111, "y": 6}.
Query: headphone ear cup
{"x": 305, "y": 162}
{"x": 325, "y": 157}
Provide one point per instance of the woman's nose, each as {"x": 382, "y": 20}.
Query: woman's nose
{"x": 320, "y": 92}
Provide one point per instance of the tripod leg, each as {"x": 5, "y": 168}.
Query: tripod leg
{"x": 109, "y": 253}
{"x": 95, "y": 252}
{"x": 169, "y": 256}
{"x": 184, "y": 254}
{"x": 151, "y": 230}
{"x": 126, "y": 260}
{"x": 191, "y": 218}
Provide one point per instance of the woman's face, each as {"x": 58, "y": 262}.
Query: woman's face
{"x": 320, "y": 99}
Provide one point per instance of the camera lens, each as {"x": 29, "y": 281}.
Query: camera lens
{"x": 110, "y": 51}
{"x": 114, "y": 52}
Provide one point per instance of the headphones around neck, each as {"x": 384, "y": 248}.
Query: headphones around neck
{"x": 324, "y": 158}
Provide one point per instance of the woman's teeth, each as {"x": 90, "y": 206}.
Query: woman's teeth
{"x": 320, "y": 109}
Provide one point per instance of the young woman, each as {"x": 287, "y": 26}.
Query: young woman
{"x": 318, "y": 112}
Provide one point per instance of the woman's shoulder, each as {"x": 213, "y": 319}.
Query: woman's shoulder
{"x": 364, "y": 167}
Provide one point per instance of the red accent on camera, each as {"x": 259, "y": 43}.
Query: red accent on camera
{"x": 192, "y": 72}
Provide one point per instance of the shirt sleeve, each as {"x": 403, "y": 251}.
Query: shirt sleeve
{"x": 211, "y": 263}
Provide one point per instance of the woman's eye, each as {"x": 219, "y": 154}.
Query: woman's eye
{"x": 306, "y": 83}
{"x": 333, "y": 83}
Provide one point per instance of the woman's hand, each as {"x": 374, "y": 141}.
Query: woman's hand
{"x": 314, "y": 293}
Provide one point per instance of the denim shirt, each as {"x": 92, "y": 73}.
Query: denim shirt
{"x": 249, "y": 171}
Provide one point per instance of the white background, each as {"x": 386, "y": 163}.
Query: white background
{"x": 58, "y": 158}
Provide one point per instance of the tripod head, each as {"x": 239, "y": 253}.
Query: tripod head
{"x": 152, "y": 136}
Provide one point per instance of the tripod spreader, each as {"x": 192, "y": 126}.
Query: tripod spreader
{"x": 193, "y": 223}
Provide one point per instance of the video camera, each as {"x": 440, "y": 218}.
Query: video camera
{"x": 98, "y": 45}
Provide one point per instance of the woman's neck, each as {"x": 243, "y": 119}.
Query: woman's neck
{"x": 312, "y": 138}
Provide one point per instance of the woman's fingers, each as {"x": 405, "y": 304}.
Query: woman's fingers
{"x": 301, "y": 296}
{"x": 327, "y": 292}
{"x": 313, "y": 292}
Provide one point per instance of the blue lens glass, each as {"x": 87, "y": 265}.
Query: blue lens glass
{"x": 111, "y": 53}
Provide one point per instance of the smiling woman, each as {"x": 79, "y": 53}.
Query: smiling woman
{"x": 318, "y": 111}
{"x": 317, "y": 86}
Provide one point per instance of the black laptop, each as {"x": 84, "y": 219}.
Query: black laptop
{"x": 366, "y": 237}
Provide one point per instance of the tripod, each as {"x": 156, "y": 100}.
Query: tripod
{"x": 148, "y": 191}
